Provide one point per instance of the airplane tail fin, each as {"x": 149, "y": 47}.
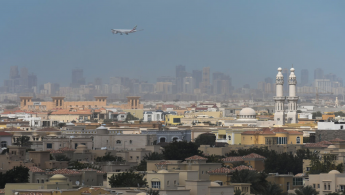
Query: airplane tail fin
{"x": 135, "y": 27}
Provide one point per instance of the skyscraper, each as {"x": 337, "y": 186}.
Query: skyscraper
{"x": 318, "y": 73}
{"x": 304, "y": 77}
{"x": 205, "y": 79}
{"x": 14, "y": 73}
{"x": 32, "y": 81}
{"x": 180, "y": 74}
{"x": 197, "y": 76}
{"x": 77, "y": 78}
{"x": 180, "y": 71}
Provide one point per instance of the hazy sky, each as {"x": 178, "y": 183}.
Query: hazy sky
{"x": 248, "y": 40}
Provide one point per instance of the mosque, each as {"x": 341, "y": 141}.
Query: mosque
{"x": 247, "y": 116}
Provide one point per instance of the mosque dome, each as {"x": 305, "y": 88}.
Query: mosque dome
{"x": 101, "y": 127}
{"x": 247, "y": 114}
{"x": 214, "y": 184}
{"x": 331, "y": 146}
{"x": 334, "y": 172}
{"x": 162, "y": 171}
{"x": 58, "y": 178}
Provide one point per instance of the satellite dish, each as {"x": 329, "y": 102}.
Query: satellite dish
{"x": 77, "y": 183}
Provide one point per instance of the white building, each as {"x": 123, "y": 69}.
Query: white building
{"x": 153, "y": 116}
{"x": 330, "y": 125}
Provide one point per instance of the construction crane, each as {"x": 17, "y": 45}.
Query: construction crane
{"x": 317, "y": 95}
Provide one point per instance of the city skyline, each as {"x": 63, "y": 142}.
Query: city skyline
{"x": 232, "y": 38}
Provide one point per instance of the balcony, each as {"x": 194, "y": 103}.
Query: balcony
{"x": 222, "y": 140}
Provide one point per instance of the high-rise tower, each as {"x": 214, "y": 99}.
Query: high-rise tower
{"x": 279, "y": 99}
{"x": 292, "y": 99}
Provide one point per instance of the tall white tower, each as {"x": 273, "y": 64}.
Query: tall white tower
{"x": 292, "y": 99}
{"x": 279, "y": 115}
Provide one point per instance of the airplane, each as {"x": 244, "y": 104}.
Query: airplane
{"x": 125, "y": 31}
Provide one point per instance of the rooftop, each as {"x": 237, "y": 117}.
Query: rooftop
{"x": 196, "y": 157}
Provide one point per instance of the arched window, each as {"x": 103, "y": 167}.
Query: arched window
{"x": 118, "y": 141}
{"x": 175, "y": 139}
{"x": 4, "y": 144}
{"x": 298, "y": 140}
{"x": 229, "y": 137}
{"x": 162, "y": 139}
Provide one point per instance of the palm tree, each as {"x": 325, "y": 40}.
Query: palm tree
{"x": 306, "y": 190}
{"x": 272, "y": 189}
{"x": 258, "y": 180}
{"x": 238, "y": 192}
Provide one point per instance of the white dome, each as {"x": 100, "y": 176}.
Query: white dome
{"x": 331, "y": 146}
{"x": 247, "y": 111}
{"x": 101, "y": 127}
{"x": 334, "y": 172}
{"x": 247, "y": 114}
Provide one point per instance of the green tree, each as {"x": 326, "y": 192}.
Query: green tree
{"x": 258, "y": 180}
{"x": 77, "y": 165}
{"x": 153, "y": 192}
{"x": 151, "y": 156}
{"x": 108, "y": 157}
{"x": 316, "y": 114}
{"x": 180, "y": 150}
{"x": 23, "y": 141}
{"x": 205, "y": 139}
{"x": 130, "y": 117}
{"x": 18, "y": 174}
{"x": 278, "y": 162}
{"x": 272, "y": 189}
{"x": 61, "y": 157}
{"x": 238, "y": 192}
{"x": 339, "y": 113}
{"x": 214, "y": 159}
{"x": 324, "y": 164}
{"x": 127, "y": 179}
{"x": 306, "y": 190}
{"x": 60, "y": 125}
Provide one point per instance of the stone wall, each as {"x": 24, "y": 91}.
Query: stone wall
{"x": 327, "y": 135}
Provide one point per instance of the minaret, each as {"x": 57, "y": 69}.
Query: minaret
{"x": 279, "y": 99}
{"x": 292, "y": 108}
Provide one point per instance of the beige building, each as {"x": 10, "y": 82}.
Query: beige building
{"x": 326, "y": 183}
{"x": 57, "y": 103}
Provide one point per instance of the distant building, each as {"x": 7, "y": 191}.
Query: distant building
{"x": 318, "y": 73}
{"x": 77, "y": 78}
{"x": 304, "y": 77}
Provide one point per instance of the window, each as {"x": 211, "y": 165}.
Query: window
{"x": 308, "y": 168}
{"x": 219, "y": 182}
{"x": 118, "y": 141}
{"x": 229, "y": 137}
{"x": 202, "y": 172}
{"x": 329, "y": 187}
{"x": 168, "y": 182}
{"x": 137, "y": 157}
{"x": 156, "y": 184}
{"x": 298, "y": 140}
{"x": 318, "y": 185}
{"x": 38, "y": 181}
{"x": 342, "y": 188}
{"x": 341, "y": 127}
{"x": 130, "y": 141}
{"x": 325, "y": 187}
{"x": 174, "y": 182}
{"x": 176, "y": 120}
{"x": 314, "y": 186}
{"x": 298, "y": 181}
{"x": 49, "y": 145}
{"x": 42, "y": 181}
{"x": 131, "y": 157}
{"x": 4, "y": 144}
